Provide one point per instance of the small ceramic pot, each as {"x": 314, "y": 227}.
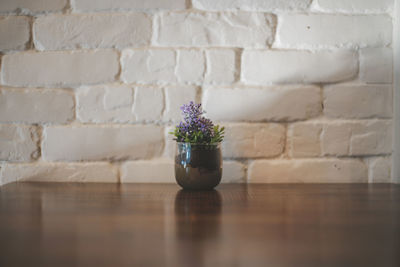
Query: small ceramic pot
{"x": 198, "y": 166}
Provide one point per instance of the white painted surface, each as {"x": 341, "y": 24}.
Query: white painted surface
{"x": 303, "y": 87}
{"x": 396, "y": 98}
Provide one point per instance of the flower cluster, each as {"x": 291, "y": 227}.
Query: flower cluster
{"x": 195, "y": 128}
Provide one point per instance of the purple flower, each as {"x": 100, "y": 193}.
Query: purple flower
{"x": 195, "y": 123}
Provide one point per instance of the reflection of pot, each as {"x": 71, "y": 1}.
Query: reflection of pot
{"x": 198, "y": 166}
{"x": 198, "y": 214}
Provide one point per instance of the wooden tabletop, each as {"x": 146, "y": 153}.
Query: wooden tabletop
{"x": 55, "y": 224}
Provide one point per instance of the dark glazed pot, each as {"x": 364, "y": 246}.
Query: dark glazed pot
{"x": 198, "y": 166}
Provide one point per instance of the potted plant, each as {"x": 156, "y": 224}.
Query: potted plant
{"x": 198, "y": 157}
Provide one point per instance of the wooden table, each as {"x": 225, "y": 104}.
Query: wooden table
{"x": 55, "y": 224}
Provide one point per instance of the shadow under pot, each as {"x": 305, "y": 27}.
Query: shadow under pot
{"x": 198, "y": 166}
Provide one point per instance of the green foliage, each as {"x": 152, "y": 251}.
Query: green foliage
{"x": 218, "y": 134}
{"x": 195, "y": 128}
{"x": 197, "y": 137}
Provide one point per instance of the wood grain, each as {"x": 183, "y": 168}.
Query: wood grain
{"x": 56, "y": 224}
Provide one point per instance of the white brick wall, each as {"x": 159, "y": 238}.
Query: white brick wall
{"x": 29, "y": 6}
{"x": 221, "y": 66}
{"x": 215, "y": 29}
{"x": 253, "y": 140}
{"x": 358, "y": 101}
{"x": 90, "y": 88}
{"x": 148, "y": 66}
{"x": 340, "y": 138}
{"x": 376, "y": 65}
{"x": 175, "y": 97}
{"x": 105, "y": 104}
{"x": 353, "y": 6}
{"x": 101, "y": 142}
{"x": 308, "y": 171}
{"x": 64, "y": 68}
{"x": 380, "y": 169}
{"x": 252, "y": 5}
{"x": 36, "y": 105}
{"x": 145, "y": 171}
{"x": 60, "y": 172}
{"x": 14, "y": 33}
{"x": 190, "y": 66}
{"x": 19, "y": 142}
{"x": 114, "y": 5}
{"x": 321, "y": 31}
{"x": 123, "y": 30}
{"x": 261, "y": 67}
{"x": 260, "y": 104}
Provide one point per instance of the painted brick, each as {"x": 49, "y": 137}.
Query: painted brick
{"x": 101, "y": 142}
{"x": 119, "y": 104}
{"x": 266, "y": 67}
{"x": 60, "y": 172}
{"x": 267, "y": 104}
{"x": 175, "y": 97}
{"x": 105, "y": 103}
{"x": 31, "y": 6}
{"x": 170, "y": 144}
{"x": 186, "y": 66}
{"x": 148, "y": 104}
{"x": 253, "y": 140}
{"x": 253, "y": 5}
{"x": 221, "y": 66}
{"x": 36, "y": 106}
{"x": 18, "y": 143}
{"x": 380, "y": 169}
{"x": 376, "y": 65}
{"x": 191, "y": 66}
{"x": 49, "y": 69}
{"x": 14, "y": 33}
{"x": 215, "y": 29}
{"x": 370, "y": 138}
{"x": 82, "y": 31}
{"x": 148, "y": 171}
{"x": 4, "y": 180}
{"x": 358, "y": 101}
{"x": 340, "y": 138}
{"x": 304, "y": 140}
{"x": 233, "y": 172}
{"x": 353, "y": 6}
{"x": 335, "y": 139}
{"x": 106, "y": 5}
{"x": 148, "y": 66}
{"x": 304, "y": 87}
{"x": 308, "y": 171}
{"x": 322, "y": 31}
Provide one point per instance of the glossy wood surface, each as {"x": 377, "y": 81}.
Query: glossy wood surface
{"x": 55, "y": 224}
